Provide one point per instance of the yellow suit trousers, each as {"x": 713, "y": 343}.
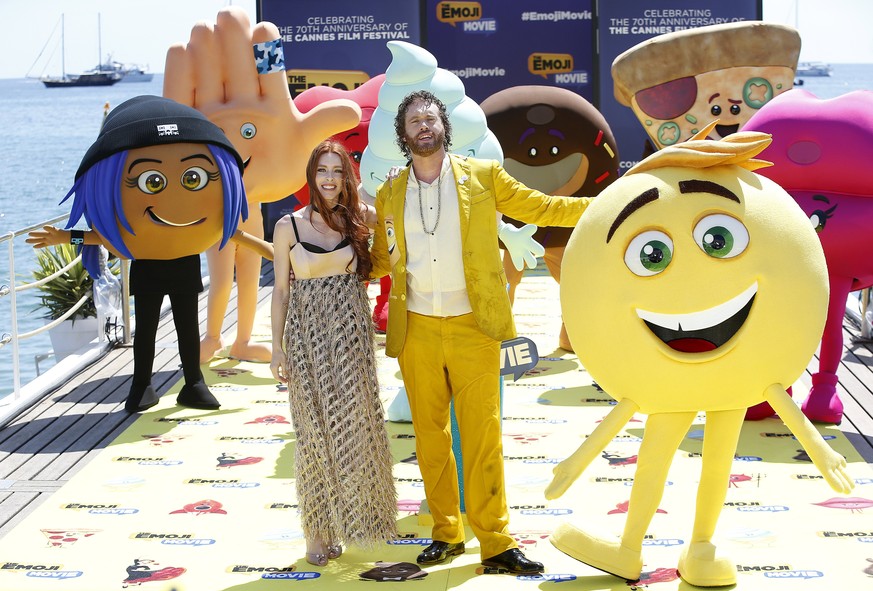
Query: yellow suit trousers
{"x": 445, "y": 359}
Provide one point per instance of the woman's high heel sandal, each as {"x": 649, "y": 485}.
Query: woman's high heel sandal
{"x": 316, "y": 552}
{"x": 334, "y": 551}
{"x": 316, "y": 558}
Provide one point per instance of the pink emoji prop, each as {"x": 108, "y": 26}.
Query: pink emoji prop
{"x": 821, "y": 157}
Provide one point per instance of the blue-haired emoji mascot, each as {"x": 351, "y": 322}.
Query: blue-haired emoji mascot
{"x": 160, "y": 185}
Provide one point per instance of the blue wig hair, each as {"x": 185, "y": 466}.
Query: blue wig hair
{"x": 97, "y": 198}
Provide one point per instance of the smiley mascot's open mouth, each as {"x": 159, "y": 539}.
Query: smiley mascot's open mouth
{"x": 702, "y": 331}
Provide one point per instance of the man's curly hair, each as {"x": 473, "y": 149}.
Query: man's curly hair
{"x": 400, "y": 120}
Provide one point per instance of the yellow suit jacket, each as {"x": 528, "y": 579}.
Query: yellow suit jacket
{"x": 484, "y": 188}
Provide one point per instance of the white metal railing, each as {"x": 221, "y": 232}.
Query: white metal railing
{"x": 68, "y": 313}
{"x": 15, "y": 398}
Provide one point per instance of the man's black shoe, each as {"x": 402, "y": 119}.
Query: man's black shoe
{"x": 515, "y": 562}
{"x": 437, "y": 552}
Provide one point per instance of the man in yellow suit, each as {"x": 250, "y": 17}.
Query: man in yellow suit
{"x": 437, "y": 235}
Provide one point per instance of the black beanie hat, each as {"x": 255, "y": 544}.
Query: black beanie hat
{"x": 150, "y": 120}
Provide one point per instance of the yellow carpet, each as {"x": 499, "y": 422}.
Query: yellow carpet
{"x": 205, "y": 501}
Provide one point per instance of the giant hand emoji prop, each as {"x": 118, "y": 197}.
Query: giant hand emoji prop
{"x": 690, "y": 216}
{"x": 820, "y": 152}
{"x": 235, "y": 75}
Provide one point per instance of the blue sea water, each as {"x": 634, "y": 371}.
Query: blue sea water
{"x": 45, "y": 132}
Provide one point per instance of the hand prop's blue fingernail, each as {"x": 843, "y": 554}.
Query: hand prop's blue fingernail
{"x": 269, "y": 56}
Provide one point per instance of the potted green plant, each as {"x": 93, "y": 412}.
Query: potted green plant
{"x": 63, "y": 292}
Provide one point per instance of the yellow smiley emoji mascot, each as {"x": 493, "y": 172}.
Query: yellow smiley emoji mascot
{"x": 689, "y": 216}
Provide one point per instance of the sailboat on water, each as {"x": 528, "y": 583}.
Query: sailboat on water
{"x": 805, "y": 69}
{"x": 96, "y": 77}
{"x": 128, "y": 72}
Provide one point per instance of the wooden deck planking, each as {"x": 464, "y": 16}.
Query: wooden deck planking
{"x": 856, "y": 390}
{"x": 45, "y": 446}
{"x": 15, "y": 505}
{"x": 74, "y": 413}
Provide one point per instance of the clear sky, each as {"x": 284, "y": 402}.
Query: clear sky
{"x": 140, "y": 31}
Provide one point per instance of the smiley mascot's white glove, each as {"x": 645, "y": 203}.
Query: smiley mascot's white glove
{"x": 522, "y": 248}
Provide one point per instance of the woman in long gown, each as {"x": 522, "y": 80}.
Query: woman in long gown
{"x": 324, "y": 350}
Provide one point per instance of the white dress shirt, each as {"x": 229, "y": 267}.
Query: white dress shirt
{"x": 435, "y": 268}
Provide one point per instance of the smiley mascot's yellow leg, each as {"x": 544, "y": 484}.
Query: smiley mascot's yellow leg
{"x": 662, "y": 436}
{"x": 698, "y": 564}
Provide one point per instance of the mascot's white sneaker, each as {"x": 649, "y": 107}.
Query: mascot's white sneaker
{"x": 610, "y": 557}
{"x": 699, "y": 566}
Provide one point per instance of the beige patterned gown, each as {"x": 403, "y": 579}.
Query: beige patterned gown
{"x": 345, "y": 486}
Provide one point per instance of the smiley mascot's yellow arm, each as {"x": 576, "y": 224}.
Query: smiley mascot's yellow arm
{"x": 831, "y": 464}
{"x": 570, "y": 469}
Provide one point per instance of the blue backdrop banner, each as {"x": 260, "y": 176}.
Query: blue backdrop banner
{"x": 490, "y": 44}
{"x": 496, "y": 44}
{"x": 339, "y": 43}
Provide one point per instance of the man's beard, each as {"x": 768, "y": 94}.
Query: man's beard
{"x": 426, "y": 150}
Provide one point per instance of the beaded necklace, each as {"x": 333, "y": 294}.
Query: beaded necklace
{"x": 439, "y": 205}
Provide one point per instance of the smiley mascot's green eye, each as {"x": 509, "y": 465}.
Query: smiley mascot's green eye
{"x": 717, "y": 242}
{"x": 649, "y": 253}
{"x": 655, "y": 256}
{"x": 721, "y": 236}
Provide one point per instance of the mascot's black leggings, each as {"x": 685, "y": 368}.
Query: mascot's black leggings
{"x": 185, "y": 317}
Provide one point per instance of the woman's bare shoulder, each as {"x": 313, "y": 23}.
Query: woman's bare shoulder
{"x": 284, "y": 227}
{"x": 282, "y": 223}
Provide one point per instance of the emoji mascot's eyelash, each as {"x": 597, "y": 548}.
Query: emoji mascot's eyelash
{"x": 131, "y": 181}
